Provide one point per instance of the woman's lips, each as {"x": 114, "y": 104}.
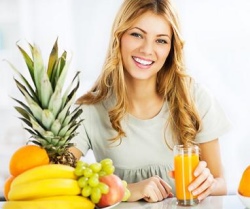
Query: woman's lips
{"x": 142, "y": 63}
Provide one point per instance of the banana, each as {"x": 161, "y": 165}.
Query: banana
{"x": 83, "y": 202}
{"x": 44, "y": 188}
{"x": 49, "y": 171}
{"x": 66, "y": 198}
{"x": 62, "y": 202}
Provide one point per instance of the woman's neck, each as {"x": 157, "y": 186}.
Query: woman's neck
{"x": 144, "y": 101}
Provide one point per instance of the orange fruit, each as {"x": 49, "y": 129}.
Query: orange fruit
{"x": 27, "y": 157}
{"x": 7, "y": 184}
{"x": 244, "y": 186}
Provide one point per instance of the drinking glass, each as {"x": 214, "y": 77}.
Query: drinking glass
{"x": 186, "y": 159}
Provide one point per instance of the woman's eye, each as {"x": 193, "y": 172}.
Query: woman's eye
{"x": 161, "y": 41}
{"x": 136, "y": 35}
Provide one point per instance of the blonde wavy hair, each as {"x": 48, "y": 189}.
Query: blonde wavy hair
{"x": 173, "y": 84}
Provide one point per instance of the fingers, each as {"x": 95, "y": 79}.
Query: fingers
{"x": 206, "y": 188}
{"x": 165, "y": 187}
{"x": 204, "y": 183}
{"x": 201, "y": 166}
{"x": 153, "y": 193}
{"x": 152, "y": 197}
{"x": 156, "y": 190}
{"x": 171, "y": 174}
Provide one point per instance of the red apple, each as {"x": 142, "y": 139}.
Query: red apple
{"x": 116, "y": 191}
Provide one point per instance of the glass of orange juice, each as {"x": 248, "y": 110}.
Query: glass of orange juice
{"x": 186, "y": 159}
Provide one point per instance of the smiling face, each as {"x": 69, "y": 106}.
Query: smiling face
{"x": 145, "y": 46}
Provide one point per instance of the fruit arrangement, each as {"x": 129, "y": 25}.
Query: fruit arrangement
{"x": 44, "y": 171}
{"x": 86, "y": 184}
{"x": 99, "y": 184}
{"x": 36, "y": 182}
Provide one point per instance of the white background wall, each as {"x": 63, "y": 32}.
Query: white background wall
{"x": 217, "y": 53}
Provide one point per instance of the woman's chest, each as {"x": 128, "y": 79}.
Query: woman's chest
{"x": 144, "y": 144}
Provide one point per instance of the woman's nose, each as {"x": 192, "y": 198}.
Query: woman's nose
{"x": 147, "y": 47}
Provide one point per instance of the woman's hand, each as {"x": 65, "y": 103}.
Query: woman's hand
{"x": 209, "y": 178}
{"x": 153, "y": 189}
{"x": 204, "y": 183}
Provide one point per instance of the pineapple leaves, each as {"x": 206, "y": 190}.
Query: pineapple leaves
{"x": 27, "y": 122}
{"x": 55, "y": 103}
{"x": 67, "y": 96}
{"x": 25, "y": 108}
{"x": 33, "y": 106}
{"x": 47, "y": 113}
{"x": 28, "y": 61}
{"x": 47, "y": 119}
{"x": 42, "y": 82}
{"x": 73, "y": 116}
{"x": 52, "y": 59}
{"x": 22, "y": 112}
{"x": 56, "y": 126}
{"x": 56, "y": 100}
{"x": 68, "y": 100}
{"x": 59, "y": 71}
{"x": 25, "y": 82}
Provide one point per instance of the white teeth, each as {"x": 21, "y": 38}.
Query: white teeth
{"x": 143, "y": 62}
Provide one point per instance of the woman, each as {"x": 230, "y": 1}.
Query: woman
{"x": 144, "y": 102}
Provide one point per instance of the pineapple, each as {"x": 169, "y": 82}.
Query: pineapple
{"x": 47, "y": 113}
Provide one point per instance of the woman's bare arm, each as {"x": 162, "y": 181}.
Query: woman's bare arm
{"x": 76, "y": 152}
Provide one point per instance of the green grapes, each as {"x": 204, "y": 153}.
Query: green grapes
{"x": 78, "y": 171}
{"x": 103, "y": 187}
{"x": 126, "y": 195}
{"x": 88, "y": 178}
{"x": 125, "y": 184}
{"x": 87, "y": 172}
{"x": 86, "y": 191}
{"x": 106, "y": 161}
{"x": 93, "y": 180}
{"x": 81, "y": 164}
{"x": 82, "y": 181}
{"x": 102, "y": 173}
{"x": 108, "y": 169}
{"x": 95, "y": 195}
{"x": 96, "y": 167}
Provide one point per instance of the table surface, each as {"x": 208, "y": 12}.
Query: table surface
{"x": 211, "y": 202}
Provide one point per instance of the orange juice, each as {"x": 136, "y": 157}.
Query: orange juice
{"x": 185, "y": 162}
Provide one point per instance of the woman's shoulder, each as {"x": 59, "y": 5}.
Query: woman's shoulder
{"x": 201, "y": 92}
{"x": 99, "y": 108}
{"x": 204, "y": 98}
{"x": 92, "y": 100}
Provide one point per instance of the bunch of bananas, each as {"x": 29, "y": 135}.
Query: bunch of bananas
{"x": 54, "y": 185}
